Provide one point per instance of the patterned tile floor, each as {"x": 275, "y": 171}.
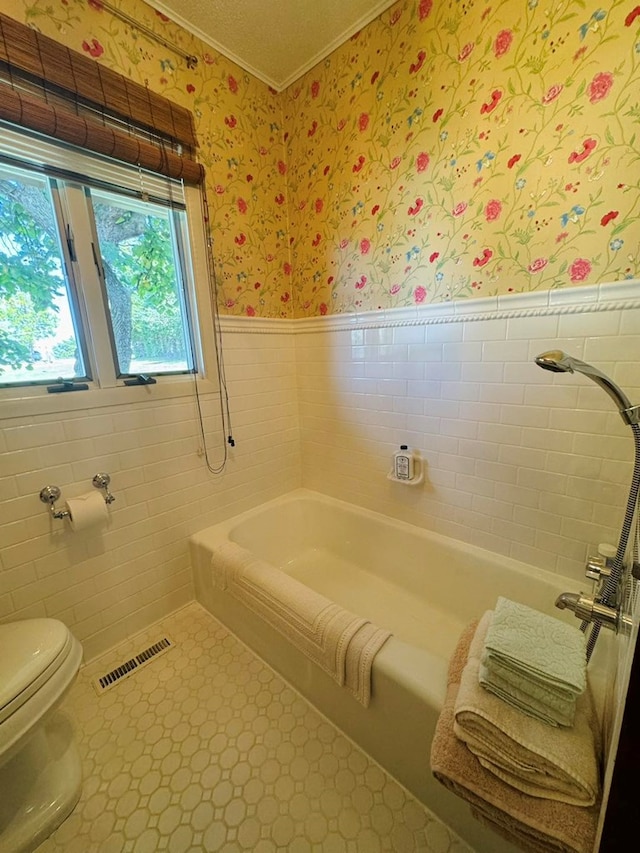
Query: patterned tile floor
{"x": 207, "y": 749}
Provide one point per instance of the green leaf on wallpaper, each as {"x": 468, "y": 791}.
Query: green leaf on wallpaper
{"x": 618, "y": 228}
{"x": 634, "y": 113}
{"x": 450, "y": 25}
{"x": 581, "y": 88}
{"x": 522, "y": 236}
{"x": 609, "y": 136}
{"x": 535, "y": 64}
{"x": 510, "y": 87}
{"x": 500, "y": 250}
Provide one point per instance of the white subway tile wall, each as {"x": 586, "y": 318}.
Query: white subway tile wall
{"x": 107, "y": 585}
{"x": 518, "y": 460}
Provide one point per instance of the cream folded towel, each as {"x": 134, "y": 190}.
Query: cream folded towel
{"x": 535, "y": 825}
{"x": 553, "y": 763}
{"x": 340, "y": 642}
{"x": 545, "y": 650}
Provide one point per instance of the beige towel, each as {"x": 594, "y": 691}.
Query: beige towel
{"x": 553, "y": 763}
{"x": 536, "y": 825}
{"x": 340, "y": 642}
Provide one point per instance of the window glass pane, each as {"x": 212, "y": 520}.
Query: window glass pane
{"x": 38, "y": 339}
{"x": 143, "y": 279}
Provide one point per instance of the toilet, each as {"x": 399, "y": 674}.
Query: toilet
{"x": 40, "y": 768}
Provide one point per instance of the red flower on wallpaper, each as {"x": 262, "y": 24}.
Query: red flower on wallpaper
{"x": 190, "y": 88}
{"x": 162, "y": 17}
{"x": 360, "y": 283}
{"x": 375, "y": 209}
{"x": 240, "y": 240}
{"x": 437, "y": 115}
{"x": 600, "y": 86}
{"x": 424, "y": 9}
{"x": 323, "y": 308}
{"x": 251, "y": 311}
{"x": 460, "y": 208}
{"x": 97, "y": 5}
{"x": 419, "y": 294}
{"x": 587, "y": 147}
{"x": 580, "y": 269}
{"x": 422, "y": 161}
{"x": 313, "y": 128}
{"x": 319, "y": 204}
{"x": 230, "y": 121}
{"x": 242, "y": 205}
{"x": 416, "y": 66}
{"x": 93, "y": 48}
{"x": 513, "y": 160}
{"x": 232, "y": 83}
{"x": 609, "y": 217}
{"x": 483, "y": 259}
{"x": 552, "y": 93}
{"x": 434, "y": 256}
{"x": 416, "y": 208}
{"x": 358, "y": 165}
{"x": 633, "y": 14}
{"x": 395, "y": 162}
{"x": 538, "y": 265}
{"x": 282, "y": 167}
{"x": 279, "y": 199}
{"x": 365, "y": 246}
{"x": 315, "y": 89}
{"x": 286, "y": 268}
{"x": 363, "y": 121}
{"x": 502, "y": 43}
{"x": 286, "y": 296}
{"x": 489, "y": 107}
{"x": 466, "y": 51}
{"x": 492, "y": 210}
{"x": 316, "y": 240}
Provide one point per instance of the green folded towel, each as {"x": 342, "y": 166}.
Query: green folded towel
{"x": 540, "y": 648}
{"x": 534, "y": 700}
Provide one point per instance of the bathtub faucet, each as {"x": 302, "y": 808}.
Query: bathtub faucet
{"x": 588, "y": 609}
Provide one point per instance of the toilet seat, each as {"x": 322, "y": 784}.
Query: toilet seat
{"x": 32, "y": 651}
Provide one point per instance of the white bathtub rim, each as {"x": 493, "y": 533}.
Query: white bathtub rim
{"x": 220, "y": 532}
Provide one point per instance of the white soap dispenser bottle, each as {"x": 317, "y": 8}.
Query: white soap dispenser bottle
{"x": 403, "y": 463}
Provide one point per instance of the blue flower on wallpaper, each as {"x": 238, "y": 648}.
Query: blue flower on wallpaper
{"x": 414, "y": 252}
{"x": 572, "y": 216}
{"x": 616, "y": 244}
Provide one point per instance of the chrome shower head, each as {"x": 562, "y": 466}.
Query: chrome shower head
{"x": 559, "y": 362}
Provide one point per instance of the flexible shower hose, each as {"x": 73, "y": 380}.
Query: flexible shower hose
{"x": 609, "y": 592}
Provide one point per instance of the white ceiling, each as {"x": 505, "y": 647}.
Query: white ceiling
{"x": 275, "y": 40}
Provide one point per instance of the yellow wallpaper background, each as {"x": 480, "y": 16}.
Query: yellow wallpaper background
{"x": 448, "y": 150}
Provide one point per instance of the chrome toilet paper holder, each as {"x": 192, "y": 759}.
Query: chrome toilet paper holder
{"x": 51, "y": 494}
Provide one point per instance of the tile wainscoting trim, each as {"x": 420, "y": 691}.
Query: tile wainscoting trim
{"x": 615, "y": 296}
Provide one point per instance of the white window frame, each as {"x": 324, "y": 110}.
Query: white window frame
{"x": 104, "y": 388}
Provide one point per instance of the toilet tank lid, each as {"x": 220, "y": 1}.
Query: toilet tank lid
{"x": 27, "y": 647}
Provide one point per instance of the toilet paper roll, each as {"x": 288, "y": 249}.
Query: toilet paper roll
{"x": 85, "y": 511}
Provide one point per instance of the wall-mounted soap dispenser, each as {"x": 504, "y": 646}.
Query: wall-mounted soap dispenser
{"x": 407, "y": 467}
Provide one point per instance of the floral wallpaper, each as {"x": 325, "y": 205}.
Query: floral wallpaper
{"x": 451, "y": 149}
{"x": 469, "y": 148}
{"x": 239, "y": 127}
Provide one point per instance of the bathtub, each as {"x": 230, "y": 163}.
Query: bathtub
{"x": 425, "y": 588}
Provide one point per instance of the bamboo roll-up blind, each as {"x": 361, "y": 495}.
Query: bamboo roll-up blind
{"x": 73, "y": 98}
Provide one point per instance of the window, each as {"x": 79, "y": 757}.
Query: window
{"x": 96, "y": 272}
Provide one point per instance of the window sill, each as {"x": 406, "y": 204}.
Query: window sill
{"x": 39, "y": 402}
